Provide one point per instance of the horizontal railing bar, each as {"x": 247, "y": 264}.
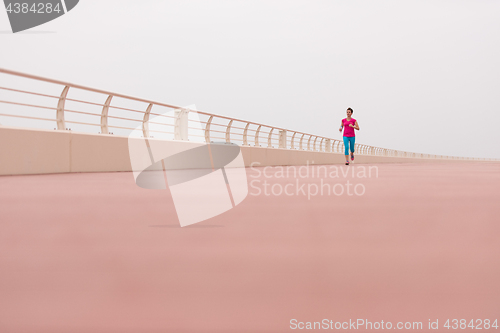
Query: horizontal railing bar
{"x": 211, "y": 130}
{"x": 30, "y": 105}
{"x": 121, "y": 108}
{"x": 161, "y": 115}
{"x": 28, "y": 92}
{"x": 153, "y": 122}
{"x": 77, "y": 122}
{"x": 242, "y": 128}
{"x": 80, "y": 101}
{"x": 27, "y": 117}
{"x": 82, "y": 112}
{"x": 215, "y": 124}
{"x": 161, "y": 132}
{"x": 99, "y": 115}
{"x": 121, "y": 127}
{"x": 130, "y": 119}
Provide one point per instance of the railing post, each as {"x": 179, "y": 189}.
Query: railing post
{"x": 300, "y": 144}
{"x": 60, "y": 109}
{"x": 257, "y": 136}
{"x": 228, "y": 132}
{"x": 104, "y": 115}
{"x": 293, "y": 138}
{"x": 207, "y": 129}
{"x": 309, "y": 142}
{"x": 269, "y": 143}
{"x": 321, "y": 144}
{"x": 328, "y": 147}
{"x": 245, "y": 131}
{"x": 145, "y": 122}
{"x": 282, "y": 139}
{"x": 181, "y": 125}
{"x": 314, "y": 143}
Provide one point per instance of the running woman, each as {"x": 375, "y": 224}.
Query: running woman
{"x": 349, "y": 124}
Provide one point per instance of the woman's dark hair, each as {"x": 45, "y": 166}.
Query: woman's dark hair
{"x": 352, "y": 111}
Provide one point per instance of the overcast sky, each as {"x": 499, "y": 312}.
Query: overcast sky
{"x": 421, "y": 76}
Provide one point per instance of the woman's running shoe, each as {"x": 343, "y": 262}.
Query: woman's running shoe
{"x": 346, "y": 163}
{"x": 352, "y": 156}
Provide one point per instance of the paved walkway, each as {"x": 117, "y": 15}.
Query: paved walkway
{"x": 96, "y": 253}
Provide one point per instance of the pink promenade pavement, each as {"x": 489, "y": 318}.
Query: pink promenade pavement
{"x": 93, "y": 252}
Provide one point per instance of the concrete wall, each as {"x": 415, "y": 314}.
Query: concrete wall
{"x": 34, "y": 151}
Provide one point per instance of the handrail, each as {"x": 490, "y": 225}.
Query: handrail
{"x": 181, "y": 120}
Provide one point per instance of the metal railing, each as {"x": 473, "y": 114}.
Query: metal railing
{"x": 68, "y": 105}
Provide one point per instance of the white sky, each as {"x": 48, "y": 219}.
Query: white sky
{"x": 421, "y": 76}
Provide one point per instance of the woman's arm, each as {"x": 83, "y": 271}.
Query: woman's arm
{"x": 341, "y": 125}
{"x": 356, "y": 126}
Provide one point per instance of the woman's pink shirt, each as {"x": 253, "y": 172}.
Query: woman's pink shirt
{"x": 349, "y": 131}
